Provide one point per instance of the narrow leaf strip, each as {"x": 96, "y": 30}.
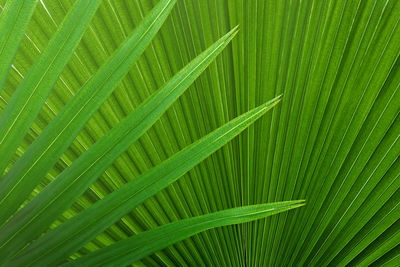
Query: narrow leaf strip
{"x": 41, "y": 156}
{"x": 59, "y": 195}
{"x": 70, "y": 236}
{"x": 14, "y": 20}
{"x": 132, "y": 249}
{"x": 26, "y": 102}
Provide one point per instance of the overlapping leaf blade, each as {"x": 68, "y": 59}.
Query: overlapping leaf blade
{"x": 26, "y": 102}
{"x": 40, "y": 157}
{"x": 135, "y": 248}
{"x": 37, "y": 215}
{"x": 333, "y": 141}
{"x": 74, "y": 233}
{"x": 14, "y": 20}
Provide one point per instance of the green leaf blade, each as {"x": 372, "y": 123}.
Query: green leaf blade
{"x": 38, "y": 214}
{"x": 31, "y": 94}
{"x": 51, "y": 248}
{"x": 41, "y": 156}
{"x": 14, "y": 20}
{"x": 139, "y": 246}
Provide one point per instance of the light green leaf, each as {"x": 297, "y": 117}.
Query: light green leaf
{"x": 26, "y": 102}
{"x": 14, "y": 20}
{"x": 139, "y": 246}
{"x": 41, "y": 156}
{"x": 334, "y": 140}
{"x": 38, "y": 214}
{"x": 52, "y": 247}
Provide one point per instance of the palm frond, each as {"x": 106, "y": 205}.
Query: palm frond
{"x": 134, "y": 248}
{"x": 14, "y": 20}
{"x": 333, "y": 140}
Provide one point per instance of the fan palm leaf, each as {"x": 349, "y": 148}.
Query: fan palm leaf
{"x": 73, "y": 85}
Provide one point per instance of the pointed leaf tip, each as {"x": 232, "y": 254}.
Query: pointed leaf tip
{"x": 229, "y": 35}
{"x": 138, "y": 246}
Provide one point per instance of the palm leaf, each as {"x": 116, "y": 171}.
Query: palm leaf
{"x": 134, "y": 248}
{"x": 30, "y": 95}
{"x": 52, "y": 247}
{"x": 333, "y": 140}
{"x": 13, "y": 22}
{"x": 36, "y": 216}
{"x": 41, "y": 156}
